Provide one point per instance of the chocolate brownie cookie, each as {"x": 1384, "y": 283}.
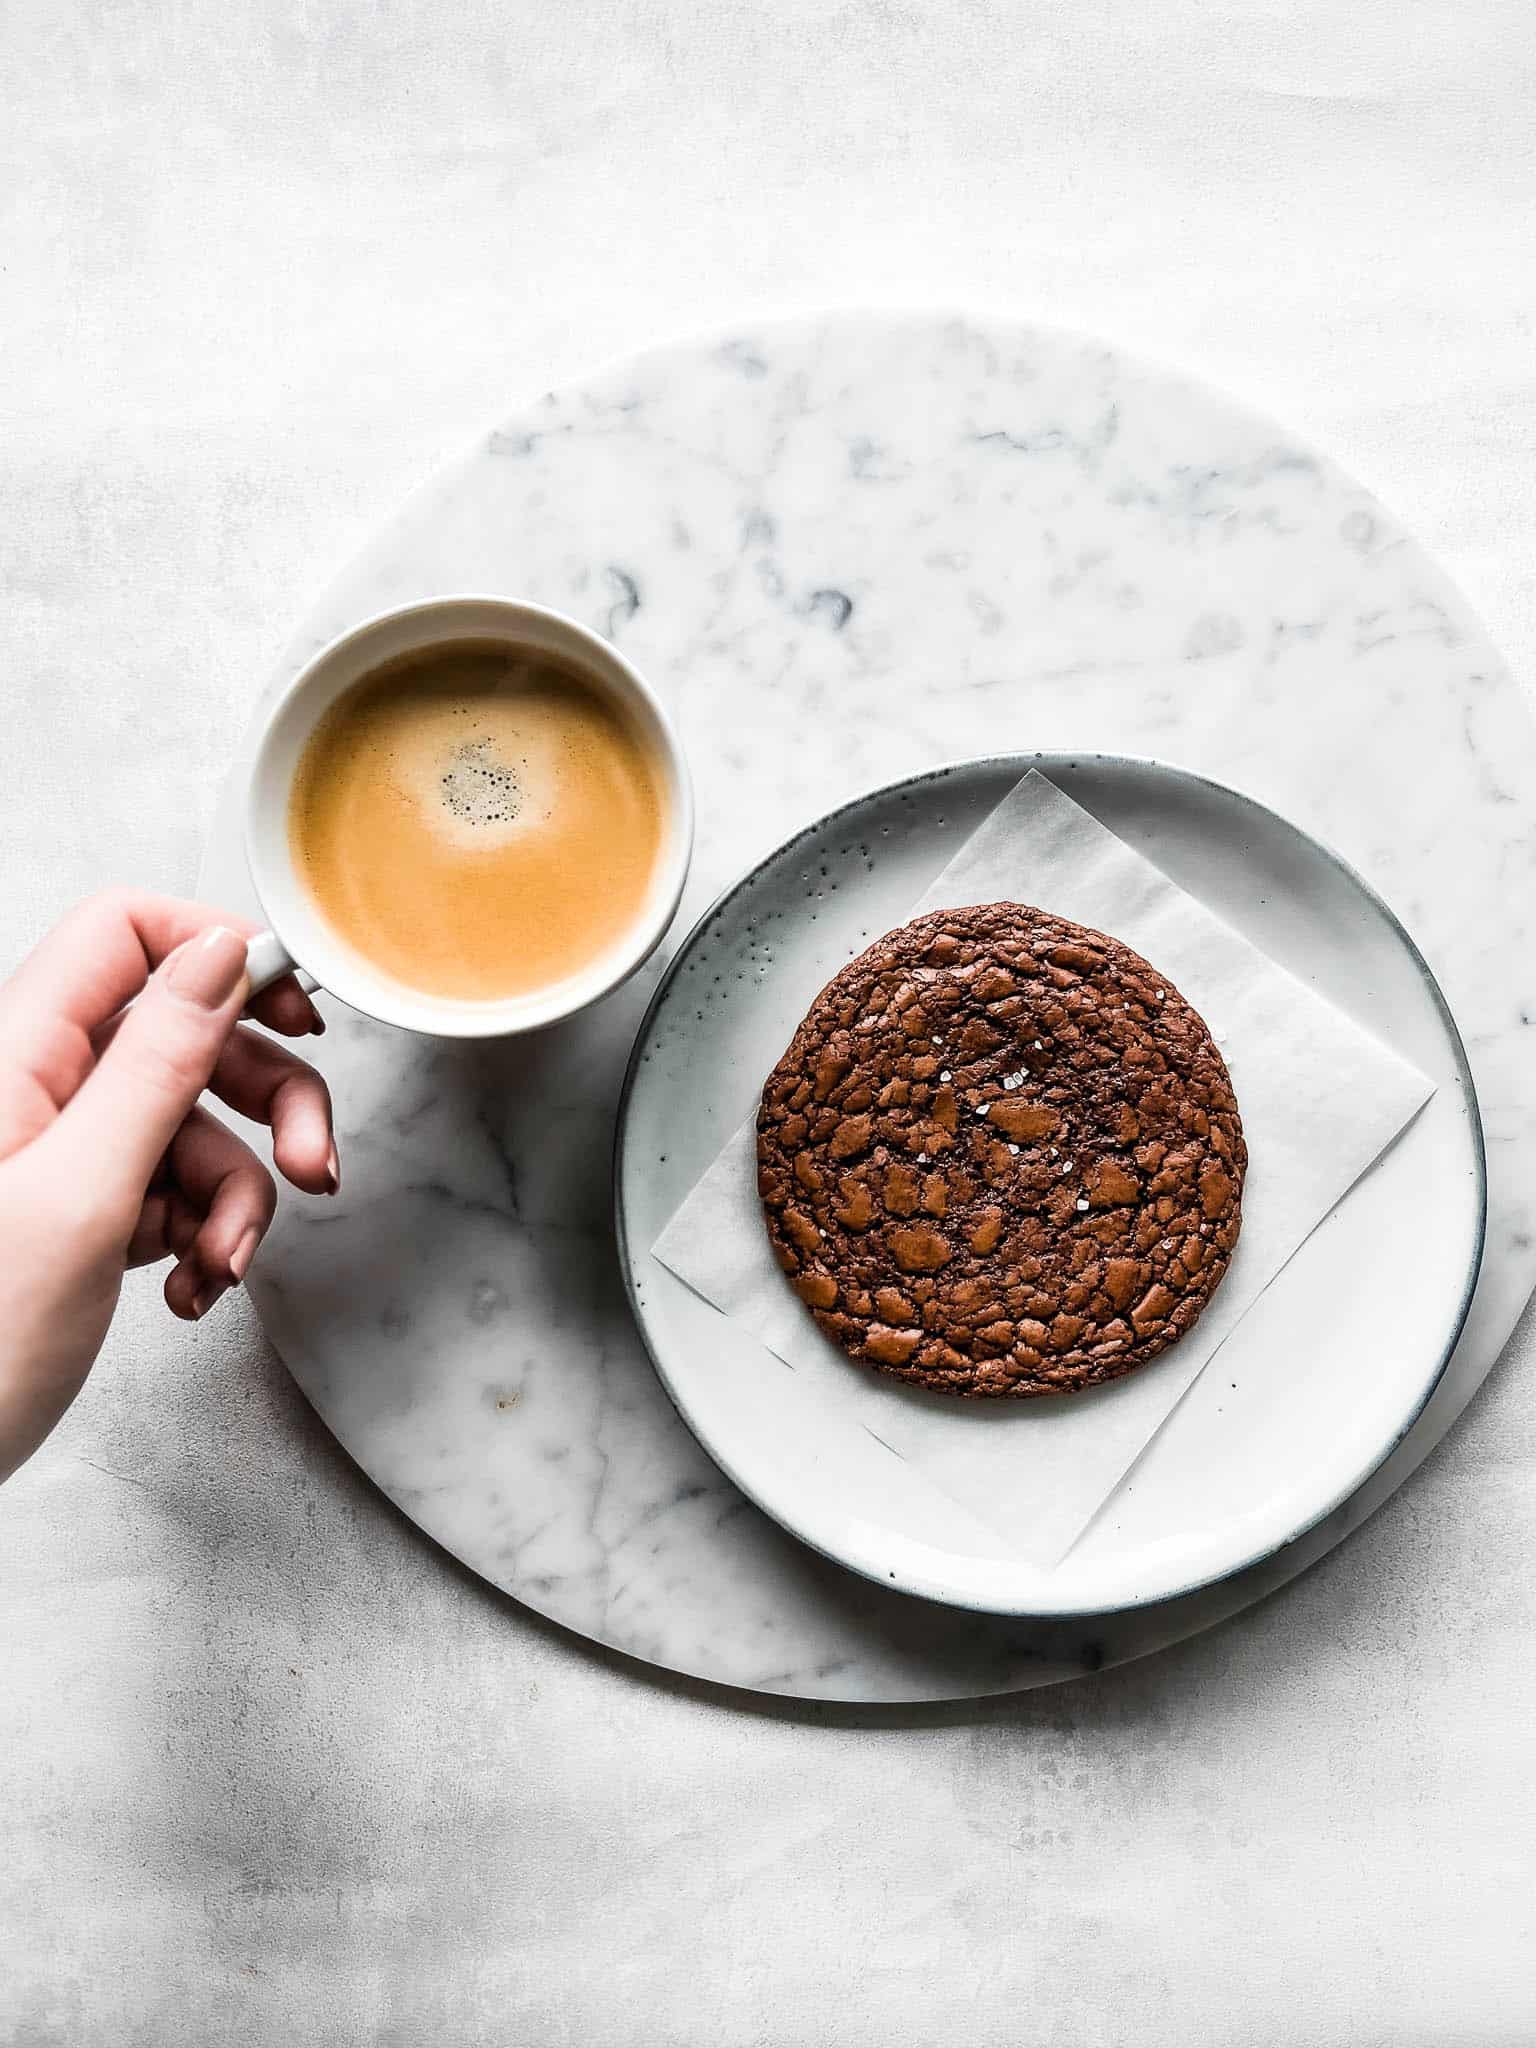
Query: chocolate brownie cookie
{"x": 1001, "y": 1156}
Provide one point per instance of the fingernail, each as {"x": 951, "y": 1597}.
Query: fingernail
{"x": 208, "y": 969}
{"x": 332, "y": 1171}
{"x": 240, "y": 1258}
{"x": 205, "y": 1297}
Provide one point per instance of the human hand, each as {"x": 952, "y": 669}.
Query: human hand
{"x": 107, "y": 1160}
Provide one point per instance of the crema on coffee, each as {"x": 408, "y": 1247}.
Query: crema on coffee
{"x": 477, "y": 820}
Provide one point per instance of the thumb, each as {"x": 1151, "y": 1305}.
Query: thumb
{"x": 131, "y": 1105}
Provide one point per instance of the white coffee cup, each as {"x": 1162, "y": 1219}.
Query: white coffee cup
{"x": 300, "y": 939}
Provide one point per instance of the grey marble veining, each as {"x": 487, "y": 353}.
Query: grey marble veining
{"x": 846, "y": 549}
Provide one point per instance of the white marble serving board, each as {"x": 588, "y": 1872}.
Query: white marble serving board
{"x": 845, "y": 549}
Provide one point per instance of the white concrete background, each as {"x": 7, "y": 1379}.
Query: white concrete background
{"x": 271, "y": 1771}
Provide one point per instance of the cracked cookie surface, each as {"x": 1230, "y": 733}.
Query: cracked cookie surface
{"x": 1002, "y": 1156}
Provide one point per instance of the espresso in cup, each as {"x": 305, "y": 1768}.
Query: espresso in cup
{"x": 477, "y": 820}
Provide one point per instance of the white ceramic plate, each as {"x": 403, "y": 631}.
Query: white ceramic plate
{"x": 1336, "y": 1358}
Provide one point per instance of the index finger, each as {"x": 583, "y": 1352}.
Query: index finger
{"x": 101, "y": 953}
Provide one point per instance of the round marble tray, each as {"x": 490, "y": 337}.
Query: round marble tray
{"x": 845, "y": 549}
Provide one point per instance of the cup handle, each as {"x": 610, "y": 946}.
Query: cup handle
{"x": 267, "y": 960}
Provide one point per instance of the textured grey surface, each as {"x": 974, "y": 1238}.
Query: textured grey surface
{"x": 270, "y": 1769}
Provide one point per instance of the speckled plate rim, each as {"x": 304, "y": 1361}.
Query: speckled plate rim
{"x": 1019, "y": 764}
